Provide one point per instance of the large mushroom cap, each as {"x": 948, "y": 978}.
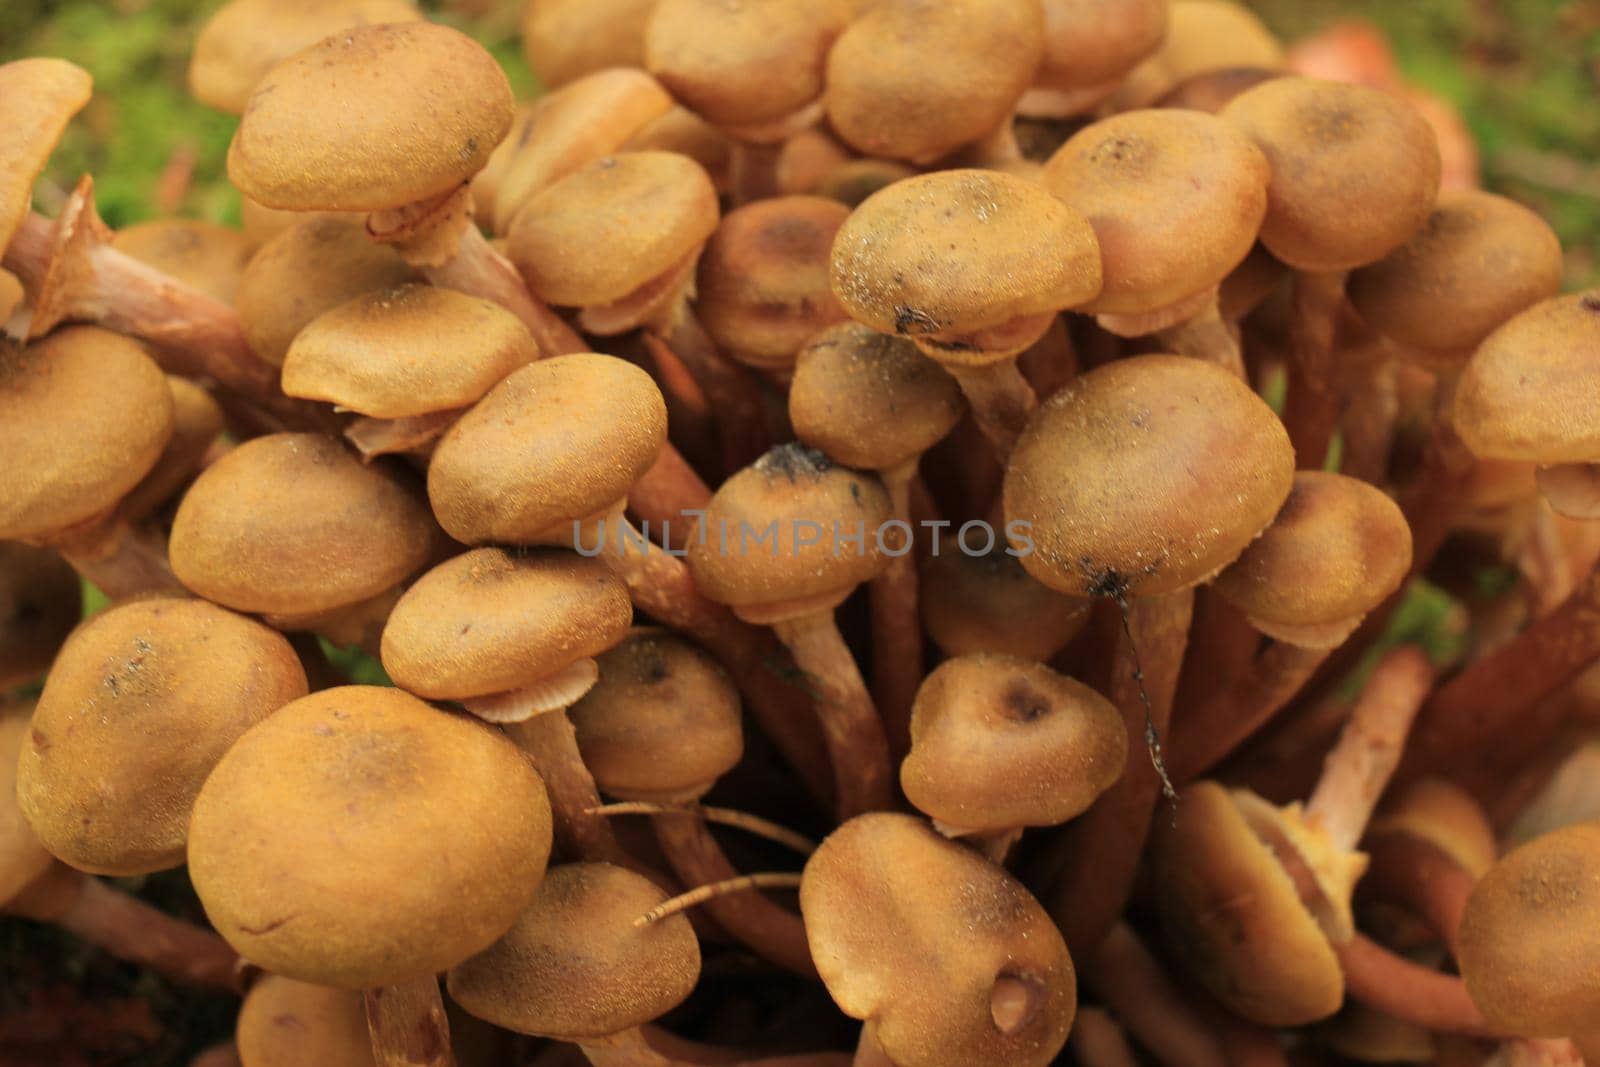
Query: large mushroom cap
{"x": 1444, "y": 817}
{"x": 948, "y": 956}
{"x": 1202, "y": 36}
{"x": 23, "y": 860}
{"x": 488, "y": 621}
{"x": 575, "y": 966}
{"x": 38, "y": 97}
{"x": 284, "y": 1023}
{"x": 566, "y": 39}
{"x": 295, "y": 524}
{"x": 209, "y": 257}
{"x": 987, "y": 602}
{"x": 359, "y": 837}
{"x": 374, "y": 118}
{"x": 1146, "y": 476}
{"x": 41, "y": 600}
{"x": 1091, "y": 43}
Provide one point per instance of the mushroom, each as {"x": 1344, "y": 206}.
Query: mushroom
{"x": 197, "y": 422}
{"x": 564, "y": 40}
{"x": 988, "y": 602}
{"x": 285, "y": 1023}
{"x": 682, "y": 131}
{"x": 1202, "y": 36}
{"x": 1089, "y": 47}
{"x": 41, "y": 600}
{"x": 202, "y": 254}
{"x": 1212, "y": 90}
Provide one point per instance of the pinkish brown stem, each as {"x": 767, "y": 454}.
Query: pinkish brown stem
{"x": 1131, "y": 982}
{"x": 1424, "y": 879}
{"x": 897, "y": 625}
{"x": 118, "y": 559}
{"x": 1408, "y": 992}
{"x": 1206, "y": 336}
{"x": 1001, "y": 401}
{"x": 666, "y": 494}
{"x": 580, "y": 834}
{"x": 408, "y": 1025}
{"x": 1097, "y": 1041}
{"x": 478, "y": 270}
{"x": 1204, "y": 737}
{"x": 1311, "y": 410}
{"x": 733, "y": 391}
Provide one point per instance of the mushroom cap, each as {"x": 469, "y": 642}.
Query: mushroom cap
{"x": 295, "y": 524}
{"x": 870, "y": 400}
{"x": 412, "y": 350}
{"x": 307, "y": 269}
{"x": 999, "y": 742}
{"x": 662, "y": 723}
{"x": 913, "y": 80}
{"x": 924, "y": 937}
{"x": 209, "y": 257}
{"x": 488, "y": 621}
{"x": 557, "y": 441}
{"x": 38, "y": 97}
{"x": 244, "y": 39}
{"x": 84, "y": 414}
{"x": 1202, "y": 35}
{"x": 1146, "y": 476}
{"x": 958, "y": 251}
{"x": 41, "y": 600}
{"x": 989, "y": 603}
{"x": 1212, "y": 90}
{"x": 1337, "y": 548}
{"x": 1233, "y": 917}
{"x": 359, "y": 837}
{"x": 23, "y": 860}
{"x": 284, "y": 1023}
{"x": 1478, "y": 260}
{"x": 197, "y": 420}
{"x": 574, "y": 966}
{"x": 1529, "y": 944}
{"x": 1355, "y": 171}
{"x": 374, "y": 118}
{"x": 763, "y": 285}
{"x": 566, "y": 39}
{"x": 682, "y": 131}
{"x": 1092, "y": 42}
{"x": 139, "y": 707}
{"x": 1175, "y": 197}
{"x": 1445, "y": 817}
{"x": 754, "y": 550}
{"x": 1516, "y": 397}
{"x": 749, "y": 64}
{"x": 612, "y": 226}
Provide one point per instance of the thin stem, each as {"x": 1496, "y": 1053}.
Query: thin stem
{"x": 1132, "y": 983}
{"x": 739, "y": 820}
{"x": 408, "y": 1025}
{"x": 119, "y": 560}
{"x": 701, "y": 894}
{"x": 754, "y": 169}
{"x": 664, "y": 496}
{"x": 897, "y": 625}
{"x": 1206, "y": 336}
{"x": 478, "y": 270}
{"x": 733, "y": 391}
{"x": 1409, "y": 992}
{"x": 1205, "y": 736}
{"x": 1430, "y": 883}
{"x": 552, "y": 743}
{"x": 1311, "y": 410}
{"x": 1001, "y": 401}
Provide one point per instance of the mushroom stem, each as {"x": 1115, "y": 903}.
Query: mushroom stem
{"x": 897, "y": 624}
{"x": 1409, "y": 992}
{"x": 739, "y": 820}
{"x": 1097, "y": 1041}
{"x": 1206, "y": 336}
{"x": 552, "y": 743}
{"x": 1132, "y": 983}
{"x": 1207, "y": 735}
{"x": 408, "y": 1025}
{"x": 1001, "y": 401}
{"x": 701, "y": 894}
{"x": 733, "y": 391}
{"x": 666, "y": 495}
{"x": 1424, "y": 879}
{"x": 753, "y": 169}
{"x": 478, "y": 270}
{"x": 118, "y": 559}
{"x": 1311, "y": 411}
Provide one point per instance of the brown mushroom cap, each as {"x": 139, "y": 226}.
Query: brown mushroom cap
{"x": 23, "y": 860}
{"x": 612, "y": 226}
{"x": 575, "y": 966}
{"x": 413, "y": 350}
{"x": 295, "y": 524}
{"x": 1176, "y": 199}
{"x": 284, "y": 1023}
{"x": 870, "y": 400}
{"x": 989, "y": 603}
{"x": 377, "y": 117}
{"x": 312, "y": 267}
{"x": 1093, "y": 42}
{"x": 488, "y": 621}
{"x": 1146, "y": 476}
{"x": 999, "y": 742}
{"x": 662, "y": 723}
{"x": 1355, "y": 171}
{"x": 1444, "y": 816}
{"x": 959, "y": 251}
{"x": 682, "y": 131}
{"x": 38, "y": 97}
{"x": 1515, "y": 399}
{"x": 790, "y": 496}
{"x": 197, "y": 421}
{"x": 566, "y": 39}
{"x": 557, "y": 441}
{"x": 41, "y": 600}
{"x": 764, "y": 278}
{"x": 84, "y": 414}
{"x": 359, "y": 837}
{"x": 1479, "y": 260}
{"x": 1530, "y": 939}
{"x": 139, "y": 707}
{"x": 927, "y": 939}
{"x": 1336, "y": 550}
{"x": 1202, "y": 35}
{"x": 209, "y": 257}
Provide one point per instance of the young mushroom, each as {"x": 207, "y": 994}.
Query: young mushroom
{"x": 209, "y": 257}
{"x": 285, "y": 1023}
{"x": 1202, "y": 36}
{"x": 564, "y": 40}
{"x": 988, "y": 602}
{"x": 1089, "y": 47}
{"x": 41, "y": 600}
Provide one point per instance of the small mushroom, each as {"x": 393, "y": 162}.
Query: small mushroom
{"x": 197, "y": 423}
{"x": 1202, "y": 36}
{"x": 285, "y": 1023}
{"x": 41, "y": 600}
{"x": 988, "y": 602}
{"x": 39, "y": 96}
{"x": 567, "y": 39}
{"x": 209, "y": 257}
{"x": 1089, "y": 47}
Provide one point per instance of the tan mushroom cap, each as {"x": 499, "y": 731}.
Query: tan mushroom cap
{"x": 139, "y": 707}
{"x": 1518, "y": 397}
{"x": 1146, "y": 476}
{"x": 41, "y": 600}
{"x": 23, "y": 860}
{"x": 1445, "y": 817}
{"x": 359, "y": 837}
{"x": 566, "y": 39}
{"x": 84, "y": 414}
{"x": 312, "y": 267}
{"x": 1176, "y": 199}
{"x": 1355, "y": 171}
{"x": 377, "y": 117}
{"x": 284, "y": 1023}
{"x": 295, "y": 524}
{"x": 764, "y": 278}
{"x": 1094, "y": 42}
{"x": 38, "y": 97}
{"x": 744, "y": 65}
{"x": 870, "y": 400}
{"x": 245, "y": 39}
{"x": 575, "y": 966}
{"x": 557, "y": 441}
{"x": 999, "y": 742}
{"x": 1479, "y": 260}
{"x": 1212, "y": 90}
{"x": 1530, "y": 939}
{"x": 662, "y": 723}
{"x": 1202, "y": 35}
{"x": 1336, "y": 550}
{"x": 1233, "y": 917}
{"x": 957, "y": 252}
{"x": 930, "y": 942}
{"x": 988, "y": 602}
{"x": 197, "y": 421}
{"x": 209, "y": 257}
{"x": 682, "y": 131}
{"x": 915, "y": 81}
{"x": 413, "y": 350}
{"x": 488, "y": 621}
{"x": 790, "y": 496}
{"x": 612, "y": 226}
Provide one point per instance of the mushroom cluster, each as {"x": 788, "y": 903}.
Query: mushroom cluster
{"x": 953, "y": 469}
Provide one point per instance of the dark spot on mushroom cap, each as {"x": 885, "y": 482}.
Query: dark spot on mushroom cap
{"x": 1023, "y": 702}
{"x": 794, "y": 460}
{"x": 910, "y": 320}
{"x": 1592, "y": 302}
